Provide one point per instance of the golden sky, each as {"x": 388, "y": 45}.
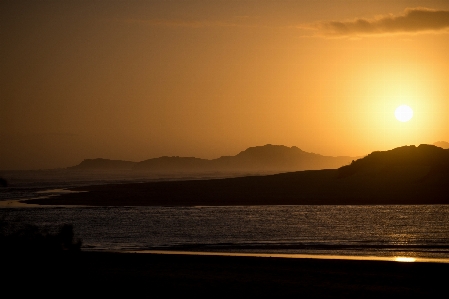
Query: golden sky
{"x": 134, "y": 80}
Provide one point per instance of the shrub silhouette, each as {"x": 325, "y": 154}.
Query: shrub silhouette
{"x": 32, "y": 239}
{"x": 3, "y": 182}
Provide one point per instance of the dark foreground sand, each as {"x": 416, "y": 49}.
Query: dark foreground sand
{"x": 159, "y": 276}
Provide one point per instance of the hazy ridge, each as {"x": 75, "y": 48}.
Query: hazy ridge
{"x": 267, "y": 158}
{"x": 404, "y": 175}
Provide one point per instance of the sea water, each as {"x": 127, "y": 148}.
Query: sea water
{"x": 418, "y": 231}
{"x": 370, "y": 230}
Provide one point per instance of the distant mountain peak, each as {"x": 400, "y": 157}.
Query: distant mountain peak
{"x": 267, "y": 158}
{"x": 270, "y": 148}
{"x": 442, "y": 144}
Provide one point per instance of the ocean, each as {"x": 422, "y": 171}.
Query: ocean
{"x": 415, "y": 231}
{"x": 409, "y": 231}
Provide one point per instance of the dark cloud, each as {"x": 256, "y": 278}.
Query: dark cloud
{"x": 413, "y": 20}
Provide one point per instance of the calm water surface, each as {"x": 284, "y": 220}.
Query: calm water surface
{"x": 414, "y": 231}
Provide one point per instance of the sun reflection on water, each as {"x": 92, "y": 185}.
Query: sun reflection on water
{"x": 405, "y": 259}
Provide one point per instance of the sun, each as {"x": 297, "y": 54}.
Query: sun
{"x": 403, "y": 113}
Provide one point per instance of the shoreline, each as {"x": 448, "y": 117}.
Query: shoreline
{"x": 41, "y": 202}
{"x": 322, "y": 187}
{"x": 370, "y": 252}
{"x": 396, "y": 259}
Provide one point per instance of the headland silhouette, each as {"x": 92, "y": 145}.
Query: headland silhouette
{"x": 404, "y": 175}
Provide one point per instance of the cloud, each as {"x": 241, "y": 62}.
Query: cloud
{"x": 412, "y": 21}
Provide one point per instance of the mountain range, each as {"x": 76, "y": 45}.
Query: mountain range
{"x": 404, "y": 175}
{"x": 266, "y": 159}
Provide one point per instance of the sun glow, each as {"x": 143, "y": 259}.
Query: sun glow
{"x": 405, "y": 259}
{"x": 403, "y": 113}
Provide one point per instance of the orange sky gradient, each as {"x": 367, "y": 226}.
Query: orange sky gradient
{"x": 134, "y": 80}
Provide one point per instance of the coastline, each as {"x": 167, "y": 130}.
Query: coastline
{"x": 397, "y": 259}
{"x": 289, "y": 231}
{"x": 322, "y": 187}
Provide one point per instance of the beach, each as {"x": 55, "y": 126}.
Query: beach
{"x": 223, "y": 276}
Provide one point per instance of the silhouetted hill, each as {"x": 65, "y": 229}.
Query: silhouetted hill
{"x": 407, "y": 161}
{"x": 267, "y": 158}
{"x": 400, "y": 164}
{"x": 404, "y": 175}
{"x": 442, "y": 144}
{"x": 280, "y": 158}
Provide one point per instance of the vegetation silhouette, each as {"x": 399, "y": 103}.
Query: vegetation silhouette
{"x": 31, "y": 239}
{"x": 3, "y": 182}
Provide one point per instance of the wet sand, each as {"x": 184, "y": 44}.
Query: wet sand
{"x": 222, "y": 276}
